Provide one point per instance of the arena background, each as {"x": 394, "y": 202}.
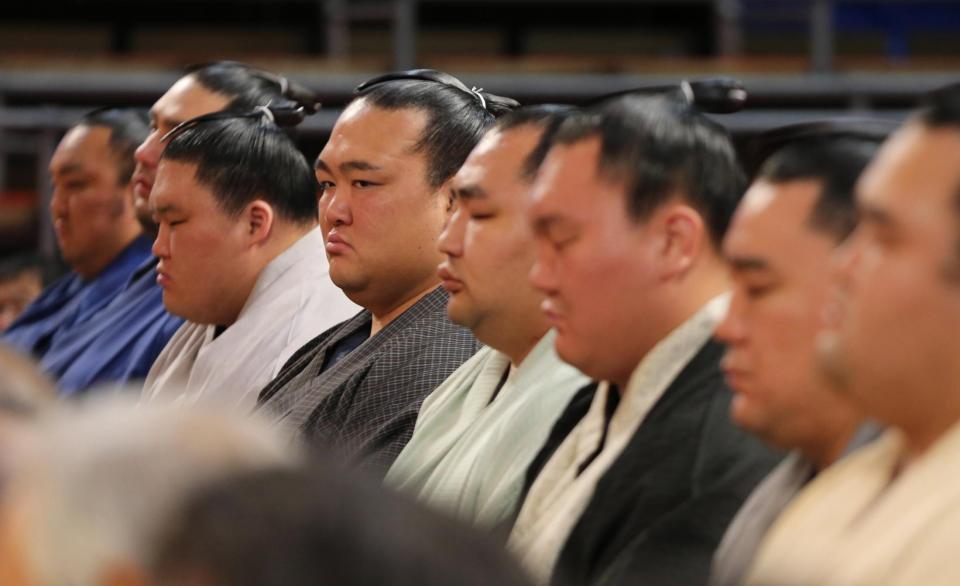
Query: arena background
{"x": 799, "y": 59}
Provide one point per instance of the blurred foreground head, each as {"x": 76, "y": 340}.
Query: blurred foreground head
{"x": 25, "y": 393}
{"x": 99, "y": 482}
{"x": 322, "y": 526}
{"x": 890, "y": 337}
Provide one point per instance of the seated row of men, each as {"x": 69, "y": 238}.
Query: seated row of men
{"x": 616, "y": 281}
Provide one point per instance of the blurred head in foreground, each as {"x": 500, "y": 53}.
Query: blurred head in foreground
{"x": 87, "y": 503}
{"x": 321, "y": 526}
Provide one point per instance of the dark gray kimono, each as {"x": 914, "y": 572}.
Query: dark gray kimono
{"x": 365, "y": 405}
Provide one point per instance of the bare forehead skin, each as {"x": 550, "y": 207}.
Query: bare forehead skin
{"x": 187, "y": 98}
{"x": 376, "y": 136}
{"x": 80, "y": 148}
{"x": 496, "y": 163}
{"x": 770, "y": 218}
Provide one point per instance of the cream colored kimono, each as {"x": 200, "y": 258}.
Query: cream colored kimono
{"x": 293, "y": 301}
{"x": 862, "y": 523}
{"x": 468, "y": 455}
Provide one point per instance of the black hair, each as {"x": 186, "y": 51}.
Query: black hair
{"x": 658, "y": 147}
{"x": 249, "y": 87}
{"x": 457, "y": 116}
{"x": 129, "y": 127}
{"x": 836, "y": 157}
{"x": 941, "y": 107}
{"x": 247, "y": 157}
{"x": 548, "y": 118}
{"x": 324, "y": 526}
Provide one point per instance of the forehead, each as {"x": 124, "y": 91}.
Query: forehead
{"x": 773, "y": 218}
{"x": 916, "y": 174}
{"x": 177, "y": 187}
{"x": 496, "y": 164}
{"x": 82, "y": 146}
{"x": 367, "y": 133}
{"x": 568, "y": 182}
{"x": 186, "y": 99}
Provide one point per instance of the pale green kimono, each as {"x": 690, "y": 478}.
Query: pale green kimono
{"x": 468, "y": 455}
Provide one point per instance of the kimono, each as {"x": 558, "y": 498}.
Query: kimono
{"x": 365, "y": 405}
{"x": 71, "y": 301}
{"x": 867, "y": 520}
{"x": 640, "y": 487}
{"x": 292, "y": 301}
{"x": 760, "y": 511}
{"x": 119, "y": 343}
{"x": 472, "y": 444}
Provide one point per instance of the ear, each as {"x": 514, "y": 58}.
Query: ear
{"x": 259, "y": 221}
{"x": 683, "y": 239}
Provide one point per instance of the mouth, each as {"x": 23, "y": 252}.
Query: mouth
{"x": 552, "y": 314}
{"x": 449, "y": 282}
{"x": 163, "y": 279}
{"x": 335, "y": 244}
{"x": 734, "y": 375}
{"x": 142, "y": 184}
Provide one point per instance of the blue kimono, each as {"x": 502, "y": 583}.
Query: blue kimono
{"x": 71, "y": 301}
{"x": 119, "y": 343}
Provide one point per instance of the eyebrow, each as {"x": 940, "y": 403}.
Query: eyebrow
{"x": 875, "y": 215}
{"x": 542, "y": 224}
{"x": 69, "y": 168}
{"x": 469, "y": 192}
{"x": 155, "y": 119}
{"x": 746, "y": 264}
{"x": 347, "y": 166}
{"x": 165, "y": 209}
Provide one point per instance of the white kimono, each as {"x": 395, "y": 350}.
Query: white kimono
{"x": 859, "y": 522}
{"x": 559, "y": 495}
{"x": 292, "y": 302}
{"x": 469, "y": 456}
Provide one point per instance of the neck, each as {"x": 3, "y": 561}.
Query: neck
{"x": 518, "y": 349}
{"x": 95, "y": 266}
{"x": 282, "y": 237}
{"x": 383, "y": 317}
{"x": 513, "y": 333}
{"x": 677, "y": 307}
{"x": 827, "y": 448}
{"x": 931, "y": 414}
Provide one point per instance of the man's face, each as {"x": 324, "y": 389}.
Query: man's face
{"x": 16, "y": 293}
{"x": 781, "y": 270}
{"x": 891, "y": 332}
{"x": 203, "y": 267}
{"x": 89, "y": 202}
{"x": 184, "y": 100}
{"x": 380, "y": 217}
{"x": 489, "y": 243}
{"x": 596, "y": 266}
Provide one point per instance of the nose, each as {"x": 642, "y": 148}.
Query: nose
{"x": 543, "y": 273}
{"x": 58, "y": 203}
{"x": 731, "y": 329}
{"x": 845, "y": 260}
{"x": 148, "y": 153}
{"x": 451, "y": 239}
{"x": 336, "y": 209}
{"x": 161, "y": 244}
